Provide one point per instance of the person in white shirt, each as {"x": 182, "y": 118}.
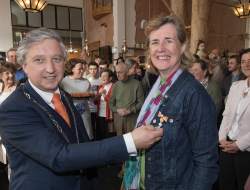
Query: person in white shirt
{"x": 234, "y": 134}
{"x": 95, "y": 82}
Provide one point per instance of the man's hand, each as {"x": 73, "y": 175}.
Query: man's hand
{"x": 126, "y": 112}
{"x": 230, "y": 147}
{"x": 121, "y": 112}
{"x": 146, "y": 136}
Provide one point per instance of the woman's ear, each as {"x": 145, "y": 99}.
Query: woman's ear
{"x": 205, "y": 72}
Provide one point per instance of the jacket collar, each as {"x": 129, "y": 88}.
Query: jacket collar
{"x": 28, "y": 89}
{"x": 180, "y": 81}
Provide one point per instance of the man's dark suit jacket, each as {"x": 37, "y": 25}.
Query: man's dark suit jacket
{"x": 40, "y": 158}
{"x": 226, "y": 84}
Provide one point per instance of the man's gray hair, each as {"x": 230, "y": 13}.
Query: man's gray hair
{"x": 123, "y": 66}
{"x": 34, "y": 37}
{"x": 131, "y": 63}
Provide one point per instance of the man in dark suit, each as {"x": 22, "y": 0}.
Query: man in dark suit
{"x": 48, "y": 147}
{"x": 236, "y": 74}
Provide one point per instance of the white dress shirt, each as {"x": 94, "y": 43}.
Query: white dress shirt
{"x": 47, "y": 97}
{"x": 233, "y": 133}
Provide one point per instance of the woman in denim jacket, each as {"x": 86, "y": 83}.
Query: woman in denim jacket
{"x": 186, "y": 156}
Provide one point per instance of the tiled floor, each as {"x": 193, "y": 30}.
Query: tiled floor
{"x": 108, "y": 178}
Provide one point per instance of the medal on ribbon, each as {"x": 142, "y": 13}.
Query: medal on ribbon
{"x": 163, "y": 119}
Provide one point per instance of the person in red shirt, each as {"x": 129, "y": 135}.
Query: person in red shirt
{"x": 104, "y": 114}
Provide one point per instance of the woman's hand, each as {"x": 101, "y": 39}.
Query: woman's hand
{"x": 230, "y": 147}
{"x": 102, "y": 91}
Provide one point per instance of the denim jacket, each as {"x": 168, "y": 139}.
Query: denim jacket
{"x": 185, "y": 158}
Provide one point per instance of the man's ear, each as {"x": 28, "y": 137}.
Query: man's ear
{"x": 24, "y": 68}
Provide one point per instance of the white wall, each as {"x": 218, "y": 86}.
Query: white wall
{"x": 5, "y": 26}
{"x": 119, "y": 27}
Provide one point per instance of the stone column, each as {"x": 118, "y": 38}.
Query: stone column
{"x": 179, "y": 8}
{"x": 199, "y": 23}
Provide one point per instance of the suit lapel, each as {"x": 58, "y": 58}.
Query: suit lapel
{"x": 236, "y": 100}
{"x": 28, "y": 89}
{"x": 244, "y": 106}
{"x": 62, "y": 123}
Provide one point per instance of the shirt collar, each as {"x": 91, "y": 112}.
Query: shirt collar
{"x": 46, "y": 96}
{"x": 236, "y": 75}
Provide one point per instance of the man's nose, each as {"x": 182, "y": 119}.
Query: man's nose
{"x": 50, "y": 68}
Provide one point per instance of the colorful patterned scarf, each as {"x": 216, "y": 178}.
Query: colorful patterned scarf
{"x": 131, "y": 179}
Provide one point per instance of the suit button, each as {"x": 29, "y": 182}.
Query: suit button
{"x": 149, "y": 159}
{"x": 166, "y": 96}
{"x": 78, "y": 179}
{"x": 154, "y": 121}
{"x": 171, "y": 121}
{"x": 149, "y": 176}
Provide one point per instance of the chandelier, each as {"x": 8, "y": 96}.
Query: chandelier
{"x": 71, "y": 49}
{"x": 241, "y": 10}
{"x": 86, "y": 48}
{"x": 33, "y": 6}
{"x": 124, "y": 47}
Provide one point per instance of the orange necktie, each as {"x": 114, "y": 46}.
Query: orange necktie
{"x": 60, "y": 108}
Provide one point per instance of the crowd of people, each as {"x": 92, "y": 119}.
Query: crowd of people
{"x": 181, "y": 124}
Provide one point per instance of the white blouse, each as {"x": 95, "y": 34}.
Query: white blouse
{"x": 233, "y": 133}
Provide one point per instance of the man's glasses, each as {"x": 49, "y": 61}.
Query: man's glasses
{"x": 118, "y": 73}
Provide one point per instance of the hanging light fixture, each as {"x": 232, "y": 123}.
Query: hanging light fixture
{"x": 124, "y": 46}
{"x": 71, "y": 49}
{"x": 86, "y": 45}
{"x": 33, "y": 6}
{"x": 241, "y": 10}
{"x": 86, "y": 48}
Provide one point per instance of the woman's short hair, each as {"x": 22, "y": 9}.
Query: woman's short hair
{"x": 155, "y": 24}
{"x": 34, "y": 37}
{"x": 198, "y": 44}
{"x": 5, "y": 65}
{"x": 121, "y": 59}
{"x": 204, "y": 66}
{"x": 243, "y": 51}
{"x": 131, "y": 63}
{"x": 70, "y": 64}
{"x": 111, "y": 74}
